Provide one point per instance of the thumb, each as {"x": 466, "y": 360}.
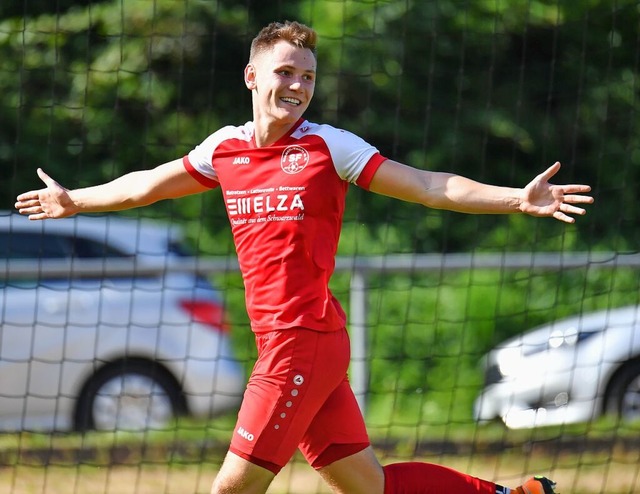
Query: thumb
{"x": 45, "y": 178}
{"x": 550, "y": 172}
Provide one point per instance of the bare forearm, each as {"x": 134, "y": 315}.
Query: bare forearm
{"x": 444, "y": 190}
{"x": 457, "y": 193}
{"x": 128, "y": 191}
{"x": 135, "y": 189}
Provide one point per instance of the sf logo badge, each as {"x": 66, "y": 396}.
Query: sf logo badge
{"x": 294, "y": 159}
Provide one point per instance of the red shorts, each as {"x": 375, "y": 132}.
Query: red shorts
{"x": 298, "y": 396}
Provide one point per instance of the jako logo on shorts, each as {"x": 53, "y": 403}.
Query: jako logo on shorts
{"x": 247, "y": 435}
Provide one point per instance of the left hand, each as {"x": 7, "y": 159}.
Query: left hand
{"x": 540, "y": 198}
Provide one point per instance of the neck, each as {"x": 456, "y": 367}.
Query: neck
{"x": 268, "y": 129}
{"x": 265, "y": 135}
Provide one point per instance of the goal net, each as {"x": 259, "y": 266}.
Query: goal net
{"x": 441, "y": 305}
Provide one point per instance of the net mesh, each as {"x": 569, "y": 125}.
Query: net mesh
{"x": 493, "y": 90}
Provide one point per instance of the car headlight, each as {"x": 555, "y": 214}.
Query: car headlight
{"x": 568, "y": 337}
{"x": 509, "y": 360}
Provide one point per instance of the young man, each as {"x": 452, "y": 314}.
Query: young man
{"x": 284, "y": 182}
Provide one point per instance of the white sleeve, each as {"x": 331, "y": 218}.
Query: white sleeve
{"x": 201, "y": 156}
{"x": 349, "y": 152}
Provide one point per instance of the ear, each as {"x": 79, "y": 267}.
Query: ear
{"x": 250, "y": 77}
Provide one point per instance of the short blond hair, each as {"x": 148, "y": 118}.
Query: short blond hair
{"x": 291, "y": 31}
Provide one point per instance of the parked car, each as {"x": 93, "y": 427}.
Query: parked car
{"x": 103, "y": 351}
{"x": 570, "y": 371}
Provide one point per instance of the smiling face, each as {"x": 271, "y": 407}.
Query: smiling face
{"x": 282, "y": 81}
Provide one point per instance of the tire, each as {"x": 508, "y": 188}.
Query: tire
{"x": 623, "y": 398}
{"x": 130, "y": 395}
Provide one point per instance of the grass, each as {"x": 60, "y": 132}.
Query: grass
{"x": 600, "y": 457}
{"x": 189, "y": 439}
{"x": 579, "y": 474}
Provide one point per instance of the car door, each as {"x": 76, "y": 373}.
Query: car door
{"x": 41, "y": 322}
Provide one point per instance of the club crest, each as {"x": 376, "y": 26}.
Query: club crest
{"x": 294, "y": 159}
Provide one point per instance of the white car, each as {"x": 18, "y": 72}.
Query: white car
{"x": 570, "y": 371}
{"x": 82, "y": 351}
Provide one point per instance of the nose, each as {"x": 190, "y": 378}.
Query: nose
{"x": 296, "y": 84}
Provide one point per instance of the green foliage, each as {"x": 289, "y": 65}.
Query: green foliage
{"x": 428, "y": 333}
{"x": 95, "y": 91}
{"x": 493, "y": 90}
{"x": 496, "y": 91}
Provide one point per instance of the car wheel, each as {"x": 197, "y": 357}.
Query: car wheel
{"x": 624, "y": 394}
{"x": 129, "y": 395}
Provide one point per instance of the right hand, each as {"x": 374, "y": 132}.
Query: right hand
{"x": 53, "y": 201}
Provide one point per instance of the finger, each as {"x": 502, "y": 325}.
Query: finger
{"x": 45, "y": 178}
{"x": 40, "y": 216}
{"x": 34, "y": 212}
{"x": 28, "y": 196}
{"x": 30, "y": 209}
{"x": 559, "y": 215}
{"x": 24, "y": 205}
{"x": 28, "y": 201}
{"x": 577, "y": 199}
{"x": 550, "y": 172}
{"x": 569, "y": 209}
{"x": 573, "y": 188}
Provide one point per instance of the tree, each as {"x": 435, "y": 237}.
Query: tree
{"x": 493, "y": 90}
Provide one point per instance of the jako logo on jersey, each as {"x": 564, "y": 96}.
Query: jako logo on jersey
{"x": 241, "y": 160}
{"x": 247, "y": 435}
{"x": 294, "y": 159}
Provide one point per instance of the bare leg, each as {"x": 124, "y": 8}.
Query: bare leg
{"x": 238, "y": 476}
{"x": 360, "y": 473}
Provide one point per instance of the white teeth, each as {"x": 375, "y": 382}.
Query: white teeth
{"x": 293, "y": 101}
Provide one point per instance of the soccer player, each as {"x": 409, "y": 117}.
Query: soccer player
{"x": 284, "y": 181}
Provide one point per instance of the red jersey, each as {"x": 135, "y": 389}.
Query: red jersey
{"x": 285, "y": 203}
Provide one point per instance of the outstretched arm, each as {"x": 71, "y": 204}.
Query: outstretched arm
{"x": 456, "y": 193}
{"x": 134, "y": 189}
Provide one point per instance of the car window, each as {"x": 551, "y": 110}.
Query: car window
{"x": 39, "y": 246}
{"x": 179, "y": 249}
{"x": 30, "y": 245}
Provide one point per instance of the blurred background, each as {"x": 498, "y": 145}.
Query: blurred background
{"x": 492, "y": 344}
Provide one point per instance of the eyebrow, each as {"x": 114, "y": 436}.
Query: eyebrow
{"x": 289, "y": 66}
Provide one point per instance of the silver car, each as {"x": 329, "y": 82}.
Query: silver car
{"x": 573, "y": 370}
{"x": 92, "y": 351}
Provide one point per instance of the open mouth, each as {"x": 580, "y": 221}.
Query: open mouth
{"x": 291, "y": 101}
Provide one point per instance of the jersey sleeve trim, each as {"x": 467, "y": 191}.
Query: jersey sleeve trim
{"x": 207, "y": 182}
{"x": 369, "y": 170}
